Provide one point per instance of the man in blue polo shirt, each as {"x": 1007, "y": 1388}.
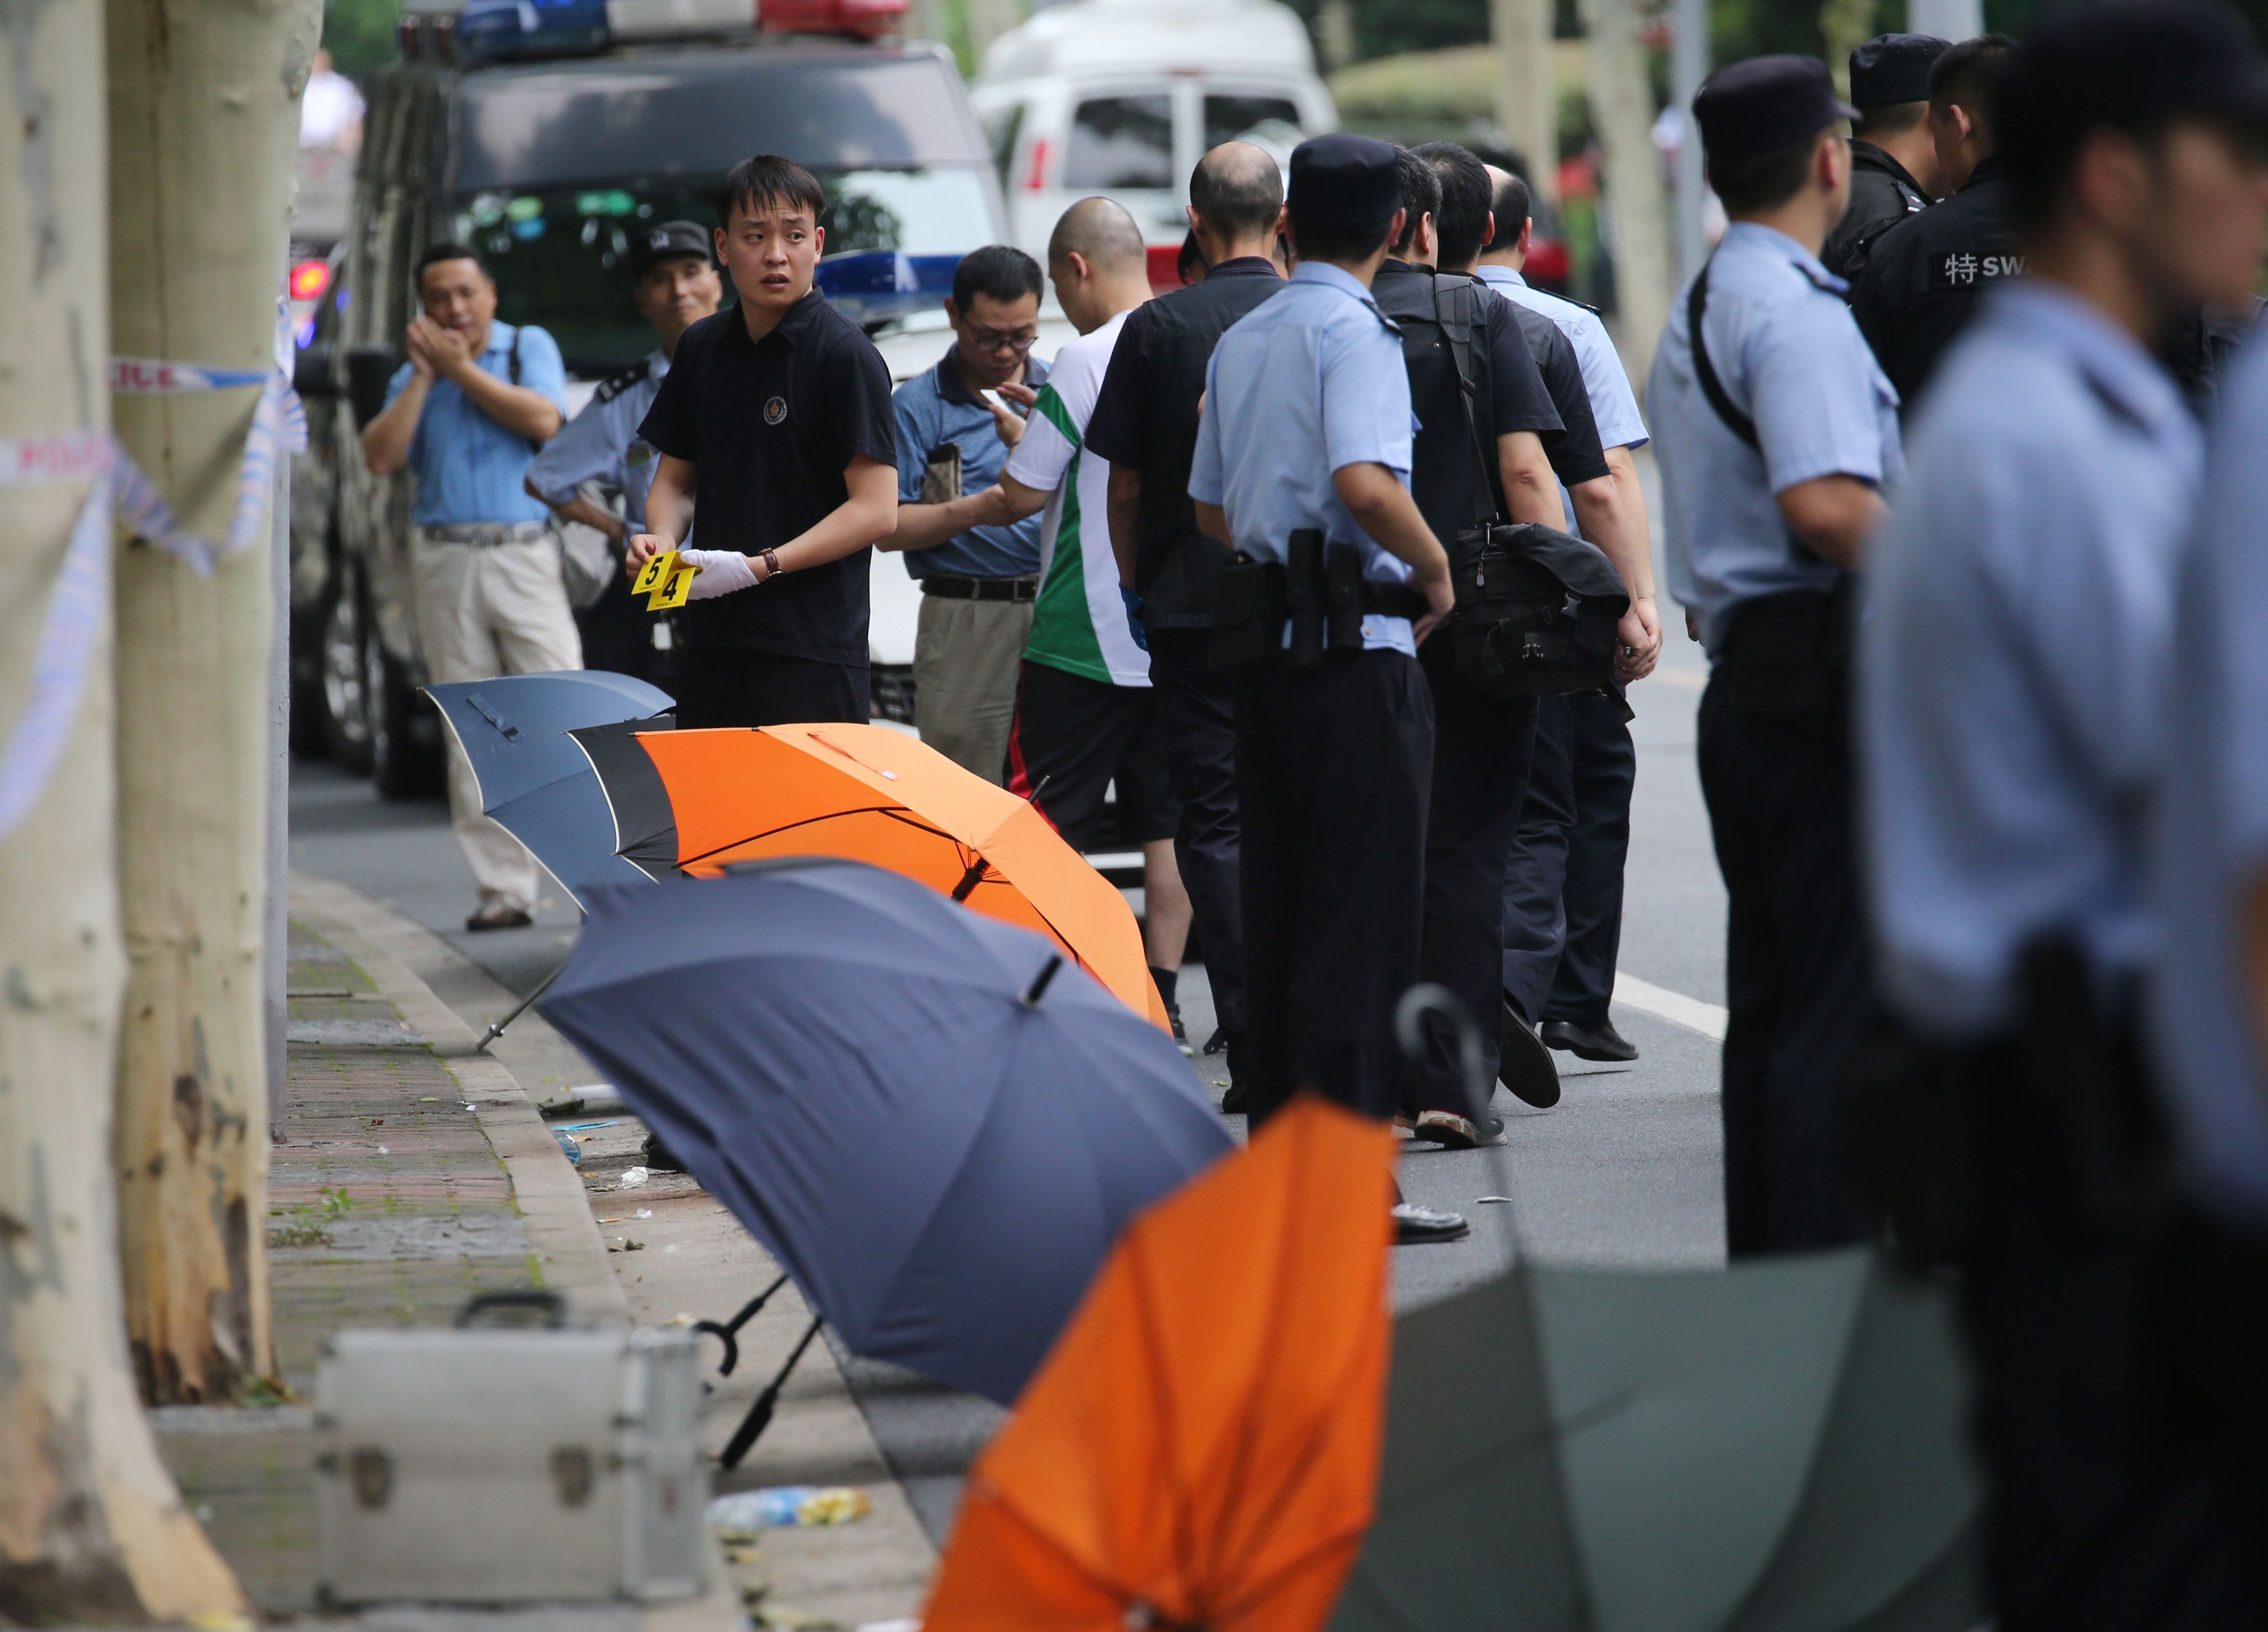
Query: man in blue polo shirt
{"x": 465, "y": 413}
{"x": 955, "y": 428}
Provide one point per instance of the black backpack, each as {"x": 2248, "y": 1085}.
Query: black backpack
{"x": 1537, "y": 609}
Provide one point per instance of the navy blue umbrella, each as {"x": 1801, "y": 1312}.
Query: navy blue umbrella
{"x": 536, "y": 779}
{"x": 934, "y": 1123}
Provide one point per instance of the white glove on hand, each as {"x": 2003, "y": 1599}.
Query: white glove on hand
{"x": 722, "y": 571}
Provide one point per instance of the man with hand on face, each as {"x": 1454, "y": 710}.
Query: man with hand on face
{"x": 674, "y": 286}
{"x": 2021, "y": 656}
{"x": 1085, "y": 712}
{"x": 1307, "y": 440}
{"x": 465, "y": 414}
{"x": 955, "y": 429}
{"x": 776, "y": 412}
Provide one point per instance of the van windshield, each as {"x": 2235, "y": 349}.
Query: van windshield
{"x": 562, "y": 255}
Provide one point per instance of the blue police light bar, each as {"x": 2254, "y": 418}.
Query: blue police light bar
{"x": 488, "y": 29}
{"x": 880, "y": 283}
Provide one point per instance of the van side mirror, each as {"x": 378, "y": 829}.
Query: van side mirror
{"x": 368, "y": 370}
{"x": 313, "y": 373}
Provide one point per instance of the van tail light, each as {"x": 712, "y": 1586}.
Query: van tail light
{"x": 1035, "y": 179}
{"x": 310, "y": 279}
{"x": 863, "y": 19}
{"x": 1165, "y": 267}
{"x": 1549, "y": 262}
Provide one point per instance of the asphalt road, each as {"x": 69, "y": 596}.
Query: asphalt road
{"x": 1624, "y": 1171}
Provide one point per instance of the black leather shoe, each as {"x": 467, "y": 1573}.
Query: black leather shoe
{"x": 658, "y": 1157}
{"x": 1524, "y": 1063}
{"x": 1237, "y": 1102}
{"x": 1601, "y": 1042}
{"x": 1419, "y": 1226}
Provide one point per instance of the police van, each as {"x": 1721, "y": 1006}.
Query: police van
{"x": 1122, "y": 97}
{"x": 547, "y": 133}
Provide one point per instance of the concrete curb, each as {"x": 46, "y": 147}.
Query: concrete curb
{"x": 553, "y": 1207}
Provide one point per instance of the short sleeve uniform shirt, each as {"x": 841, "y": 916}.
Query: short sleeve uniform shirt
{"x": 1146, "y": 420}
{"x": 771, "y": 426}
{"x": 1079, "y": 624}
{"x": 469, "y": 468}
{"x": 1304, "y": 384}
{"x": 1789, "y": 356}
{"x": 1614, "y": 406}
{"x": 601, "y": 443}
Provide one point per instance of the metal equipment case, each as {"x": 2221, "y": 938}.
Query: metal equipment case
{"x": 501, "y": 1465}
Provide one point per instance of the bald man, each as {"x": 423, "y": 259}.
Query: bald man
{"x": 1146, "y": 424}
{"x": 1084, "y": 713}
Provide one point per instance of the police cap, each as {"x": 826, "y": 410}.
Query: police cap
{"x": 2125, "y": 64}
{"x": 1894, "y": 68}
{"x": 1763, "y": 105}
{"x": 1344, "y": 183}
{"x": 666, "y": 240}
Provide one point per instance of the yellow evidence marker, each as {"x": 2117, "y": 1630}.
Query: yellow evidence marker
{"x": 655, "y": 573}
{"x": 672, "y": 594}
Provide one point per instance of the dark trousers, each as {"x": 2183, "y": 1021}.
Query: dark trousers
{"x": 1796, "y": 973}
{"x": 725, "y": 686}
{"x": 1481, "y": 747}
{"x": 1200, "y": 731}
{"x": 1333, "y": 766}
{"x": 1563, "y": 886}
{"x": 618, "y": 633}
{"x": 2106, "y": 1515}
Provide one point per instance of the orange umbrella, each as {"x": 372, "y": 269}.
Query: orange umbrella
{"x": 871, "y": 794}
{"x": 1201, "y": 1448}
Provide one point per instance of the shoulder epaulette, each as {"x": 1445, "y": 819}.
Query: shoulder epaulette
{"x": 615, "y": 384}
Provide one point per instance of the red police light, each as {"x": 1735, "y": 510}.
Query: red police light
{"x": 310, "y": 279}
{"x": 864, "y": 20}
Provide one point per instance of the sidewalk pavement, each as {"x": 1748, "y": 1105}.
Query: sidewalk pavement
{"x": 408, "y": 1173}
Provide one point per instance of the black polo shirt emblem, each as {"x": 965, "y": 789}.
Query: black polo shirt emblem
{"x": 775, "y": 410}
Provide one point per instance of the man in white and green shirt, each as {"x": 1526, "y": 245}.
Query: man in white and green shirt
{"x": 1085, "y": 717}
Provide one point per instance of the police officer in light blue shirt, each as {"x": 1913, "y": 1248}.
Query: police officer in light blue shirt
{"x": 1307, "y": 438}
{"x": 2016, "y": 663}
{"x": 1774, "y": 431}
{"x": 674, "y": 284}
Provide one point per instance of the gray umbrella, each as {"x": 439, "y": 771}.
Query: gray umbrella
{"x": 1778, "y": 1446}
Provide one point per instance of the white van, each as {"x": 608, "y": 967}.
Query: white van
{"x": 1122, "y": 97}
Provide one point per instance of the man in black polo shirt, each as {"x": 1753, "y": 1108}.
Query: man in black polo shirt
{"x": 1481, "y": 744}
{"x": 776, "y": 413}
{"x": 1146, "y": 424}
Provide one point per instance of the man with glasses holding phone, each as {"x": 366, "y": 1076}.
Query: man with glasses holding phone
{"x": 957, "y": 424}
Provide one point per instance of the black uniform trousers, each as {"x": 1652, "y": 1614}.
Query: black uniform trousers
{"x": 2106, "y": 1514}
{"x": 1797, "y": 972}
{"x": 724, "y": 685}
{"x": 1333, "y": 767}
{"x": 1200, "y": 729}
{"x": 1481, "y": 748}
{"x": 1563, "y": 883}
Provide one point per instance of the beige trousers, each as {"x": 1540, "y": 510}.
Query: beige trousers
{"x": 967, "y": 655}
{"x": 485, "y": 610}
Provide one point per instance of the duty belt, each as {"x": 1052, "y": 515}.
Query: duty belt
{"x": 948, "y": 587}
{"x": 484, "y": 533}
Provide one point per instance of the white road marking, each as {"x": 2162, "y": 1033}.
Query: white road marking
{"x": 1708, "y": 1018}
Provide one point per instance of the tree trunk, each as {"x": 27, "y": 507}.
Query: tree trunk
{"x": 203, "y": 133}
{"x": 1527, "y": 90}
{"x": 91, "y": 1526}
{"x": 1845, "y": 24}
{"x": 1621, "y": 101}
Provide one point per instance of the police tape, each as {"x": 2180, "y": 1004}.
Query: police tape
{"x": 77, "y": 607}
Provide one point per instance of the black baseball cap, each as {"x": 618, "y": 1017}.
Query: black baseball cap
{"x": 666, "y": 241}
{"x": 1894, "y": 68}
{"x": 1343, "y": 182}
{"x": 1763, "y": 105}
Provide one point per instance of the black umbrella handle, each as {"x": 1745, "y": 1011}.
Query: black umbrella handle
{"x": 1425, "y": 1000}
{"x": 760, "y": 1414}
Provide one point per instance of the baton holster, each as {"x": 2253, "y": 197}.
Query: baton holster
{"x": 1321, "y": 593}
{"x": 1248, "y": 609}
